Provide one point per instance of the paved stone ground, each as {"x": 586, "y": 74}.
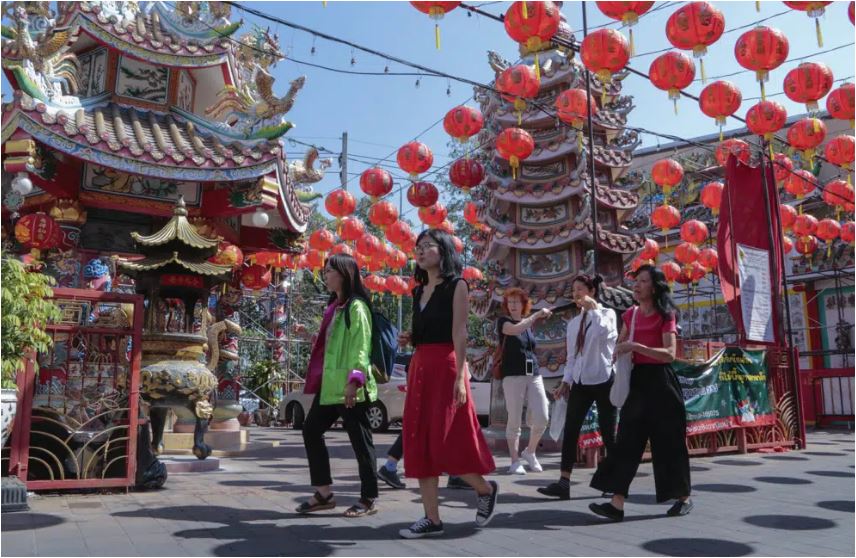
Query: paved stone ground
{"x": 789, "y": 504}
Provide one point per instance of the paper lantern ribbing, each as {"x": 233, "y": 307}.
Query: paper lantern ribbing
{"x": 788, "y": 216}
{"x": 415, "y": 158}
{"x": 766, "y": 118}
{"x": 434, "y": 215}
{"x": 398, "y": 233}
{"x": 695, "y": 26}
{"x": 340, "y": 203}
{"x": 805, "y": 225}
{"x": 839, "y": 194}
{"x": 466, "y": 174}
{"x": 808, "y": 83}
{"x": 351, "y": 229}
{"x": 711, "y": 196}
{"x": 761, "y": 49}
{"x": 671, "y": 270}
{"x": 709, "y": 259}
{"x": 383, "y": 214}
{"x": 463, "y": 122}
{"x": 806, "y": 135}
{"x": 516, "y": 84}
{"x": 667, "y": 173}
{"x": 672, "y": 72}
{"x": 375, "y": 182}
{"x": 800, "y": 183}
{"x": 514, "y": 145}
{"x": 840, "y": 103}
{"x": 665, "y": 217}
{"x": 841, "y": 151}
{"x": 686, "y": 252}
{"x": 694, "y": 231}
{"x": 322, "y": 240}
{"x": 719, "y": 100}
{"x": 422, "y": 194}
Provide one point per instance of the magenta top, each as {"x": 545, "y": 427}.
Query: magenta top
{"x": 316, "y": 358}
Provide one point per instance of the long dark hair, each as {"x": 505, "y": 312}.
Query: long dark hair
{"x": 352, "y": 284}
{"x": 591, "y": 283}
{"x": 663, "y": 302}
{"x": 450, "y": 262}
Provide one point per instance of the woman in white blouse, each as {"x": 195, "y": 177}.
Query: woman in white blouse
{"x": 588, "y": 376}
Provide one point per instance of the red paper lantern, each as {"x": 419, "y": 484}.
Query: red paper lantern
{"x": 472, "y": 274}
{"x": 368, "y": 246}
{"x": 665, "y": 217}
{"x": 696, "y": 272}
{"x": 672, "y": 72}
{"x": 447, "y": 226}
{"x": 436, "y": 10}
{"x": 840, "y": 103}
{"x": 37, "y": 231}
{"x": 709, "y": 259}
{"x": 463, "y": 122}
{"x": 514, "y": 145}
{"x": 375, "y": 182}
{"x": 761, "y": 49}
{"x": 382, "y": 214}
{"x": 571, "y": 107}
{"x": 667, "y": 173}
{"x": 466, "y": 173}
{"x": 516, "y": 84}
{"x": 314, "y": 259}
{"x": 814, "y": 10}
{"x": 422, "y": 194}
{"x": 719, "y": 100}
{"x": 766, "y": 118}
{"x": 787, "y": 244}
{"x": 434, "y": 215}
{"x": 650, "y": 250}
{"x": 695, "y": 26}
{"x": 636, "y": 264}
{"x": 686, "y": 253}
{"x": 806, "y": 245}
{"x": 736, "y": 147}
{"x": 340, "y": 203}
{"x": 322, "y": 240}
{"x": 788, "y": 216}
{"x": 459, "y": 244}
{"x": 351, "y": 229}
{"x": 398, "y": 233}
{"x": 342, "y": 249}
{"x": 415, "y": 158}
{"x": 848, "y": 230}
{"x": 711, "y": 196}
{"x": 805, "y": 225}
{"x": 828, "y": 230}
{"x": 256, "y": 277}
{"x": 671, "y": 270}
{"x": 627, "y": 13}
{"x": 396, "y": 260}
{"x": 228, "y": 254}
{"x": 839, "y": 194}
{"x": 800, "y": 183}
{"x": 694, "y": 231}
{"x": 841, "y": 151}
{"x": 604, "y": 52}
{"x": 850, "y": 13}
{"x": 808, "y": 83}
{"x": 782, "y": 166}
{"x": 806, "y": 134}
{"x": 375, "y": 283}
{"x": 471, "y": 213}
{"x": 391, "y": 283}
{"x": 532, "y": 24}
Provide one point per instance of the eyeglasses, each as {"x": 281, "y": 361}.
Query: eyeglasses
{"x": 426, "y": 246}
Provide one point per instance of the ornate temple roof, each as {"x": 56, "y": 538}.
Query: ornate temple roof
{"x": 506, "y": 189}
{"x": 154, "y": 263}
{"x": 178, "y": 228}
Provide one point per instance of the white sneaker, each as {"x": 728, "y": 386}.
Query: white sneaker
{"x": 516, "y": 468}
{"x": 531, "y": 460}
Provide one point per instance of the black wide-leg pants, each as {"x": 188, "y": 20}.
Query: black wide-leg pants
{"x": 654, "y": 410}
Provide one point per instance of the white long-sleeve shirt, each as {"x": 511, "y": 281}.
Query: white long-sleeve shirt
{"x": 594, "y": 363}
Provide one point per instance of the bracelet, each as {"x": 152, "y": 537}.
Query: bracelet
{"x": 357, "y": 377}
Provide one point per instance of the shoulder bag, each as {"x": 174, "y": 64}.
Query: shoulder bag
{"x": 623, "y": 367}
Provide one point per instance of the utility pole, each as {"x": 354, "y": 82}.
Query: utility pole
{"x": 343, "y": 162}
{"x": 400, "y": 215}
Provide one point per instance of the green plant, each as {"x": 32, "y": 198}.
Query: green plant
{"x": 26, "y": 307}
{"x": 264, "y": 378}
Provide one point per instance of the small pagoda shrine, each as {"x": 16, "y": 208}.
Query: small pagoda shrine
{"x": 176, "y": 277}
{"x": 540, "y": 232}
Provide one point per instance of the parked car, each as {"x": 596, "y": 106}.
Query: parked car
{"x": 389, "y": 407}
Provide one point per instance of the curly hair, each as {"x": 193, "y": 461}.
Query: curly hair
{"x": 521, "y": 295}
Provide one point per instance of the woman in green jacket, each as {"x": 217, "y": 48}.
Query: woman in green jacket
{"x": 339, "y": 375}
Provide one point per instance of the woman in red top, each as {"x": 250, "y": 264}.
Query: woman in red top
{"x": 654, "y": 408}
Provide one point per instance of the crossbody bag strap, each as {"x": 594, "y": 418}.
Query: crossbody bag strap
{"x": 633, "y": 323}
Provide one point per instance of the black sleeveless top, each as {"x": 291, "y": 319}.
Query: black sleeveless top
{"x": 434, "y": 323}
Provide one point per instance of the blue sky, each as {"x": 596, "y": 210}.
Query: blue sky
{"x": 381, "y": 113}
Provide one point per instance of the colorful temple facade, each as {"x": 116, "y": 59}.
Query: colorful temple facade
{"x": 540, "y": 224}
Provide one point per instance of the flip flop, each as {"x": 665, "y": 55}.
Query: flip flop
{"x": 359, "y": 509}
{"x": 321, "y": 503}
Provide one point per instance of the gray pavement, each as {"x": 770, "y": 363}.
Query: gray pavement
{"x": 789, "y": 504}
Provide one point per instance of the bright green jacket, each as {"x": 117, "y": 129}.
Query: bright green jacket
{"x": 347, "y": 349}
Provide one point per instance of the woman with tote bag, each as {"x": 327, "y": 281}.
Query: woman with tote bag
{"x": 654, "y": 408}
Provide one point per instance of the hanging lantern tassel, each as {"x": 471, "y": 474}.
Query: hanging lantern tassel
{"x": 763, "y": 92}
{"x": 772, "y": 155}
{"x": 524, "y": 11}
{"x": 580, "y": 144}
{"x": 675, "y": 101}
{"x": 758, "y": 6}
{"x": 437, "y": 35}
{"x": 632, "y": 46}
{"x": 515, "y": 164}
{"x": 819, "y": 32}
{"x": 701, "y": 67}
{"x": 537, "y": 68}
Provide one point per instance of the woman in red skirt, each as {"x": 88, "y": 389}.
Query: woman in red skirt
{"x": 440, "y": 428}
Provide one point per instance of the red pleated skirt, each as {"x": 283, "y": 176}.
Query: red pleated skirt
{"x": 440, "y": 437}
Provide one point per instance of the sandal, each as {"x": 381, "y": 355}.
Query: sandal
{"x": 321, "y": 503}
{"x": 360, "y": 509}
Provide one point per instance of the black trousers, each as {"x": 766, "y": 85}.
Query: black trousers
{"x": 397, "y": 449}
{"x": 654, "y": 410}
{"x": 579, "y": 403}
{"x": 356, "y": 423}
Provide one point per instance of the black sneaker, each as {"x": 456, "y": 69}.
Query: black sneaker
{"x": 487, "y": 505}
{"x": 608, "y": 511}
{"x": 457, "y": 483}
{"x": 422, "y": 528}
{"x": 390, "y": 477}
{"x": 680, "y": 508}
{"x": 555, "y": 490}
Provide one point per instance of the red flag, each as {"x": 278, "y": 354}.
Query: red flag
{"x": 743, "y": 220}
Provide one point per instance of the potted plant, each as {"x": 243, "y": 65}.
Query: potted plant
{"x": 26, "y": 307}
{"x": 263, "y": 379}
